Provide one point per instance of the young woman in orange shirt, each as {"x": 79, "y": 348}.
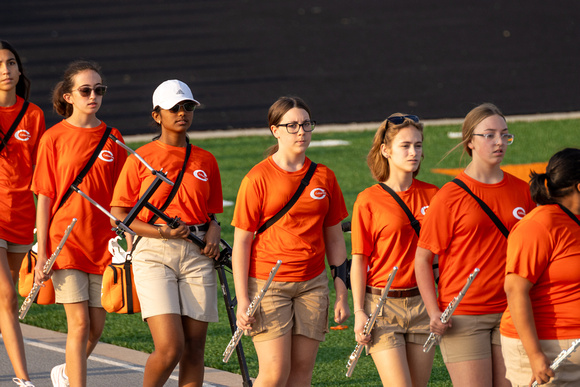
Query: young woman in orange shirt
{"x": 77, "y": 273}
{"x": 17, "y": 160}
{"x": 541, "y": 283}
{"x": 175, "y": 279}
{"x": 384, "y": 237}
{"x": 292, "y": 318}
{"x": 464, "y": 236}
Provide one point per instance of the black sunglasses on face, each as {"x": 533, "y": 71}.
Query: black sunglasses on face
{"x": 398, "y": 120}
{"x": 187, "y": 106}
{"x": 86, "y": 91}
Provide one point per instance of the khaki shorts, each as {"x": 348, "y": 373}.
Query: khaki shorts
{"x": 72, "y": 286}
{"x": 519, "y": 371}
{"x": 402, "y": 320}
{"x": 173, "y": 277}
{"x": 14, "y": 247}
{"x": 300, "y": 307}
{"x": 471, "y": 337}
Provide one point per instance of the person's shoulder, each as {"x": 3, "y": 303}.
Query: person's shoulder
{"x": 34, "y": 110}
{"x": 369, "y": 193}
{"x": 419, "y": 184}
{"x": 514, "y": 181}
{"x": 200, "y": 152}
{"x": 259, "y": 170}
{"x": 55, "y": 132}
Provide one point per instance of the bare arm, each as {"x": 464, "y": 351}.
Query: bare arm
{"x": 426, "y": 283}
{"x": 358, "y": 282}
{"x": 42, "y": 220}
{"x": 148, "y": 230}
{"x": 517, "y": 290}
{"x": 336, "y": 255}
{"x": 241, "y": 265}
{"x": 212, "y": 239}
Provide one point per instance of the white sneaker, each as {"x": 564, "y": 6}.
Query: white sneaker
{"x": 22, "y": 382}
{"x": 58, "y": 376}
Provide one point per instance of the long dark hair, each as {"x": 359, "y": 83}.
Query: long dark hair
{"x": 23, "y": 85}
{"x": 560, "y": 180}
{"x": 65, "y": 86}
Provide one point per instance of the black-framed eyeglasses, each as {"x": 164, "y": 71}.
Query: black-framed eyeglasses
{"x": 398, "y": 120}
{"x": 294, "y": 127}
{"x": 187, "y": 106}
{"x": 505, "y": 137}
{"x": 86, "y": 91}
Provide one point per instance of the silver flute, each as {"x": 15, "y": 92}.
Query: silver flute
{"x": 446, "y": 315}
{"x": 355, "y": 355}
{"x": 250, "y": 312}
{"x": 561, "y": 357}
{"x": 47, "y": 268}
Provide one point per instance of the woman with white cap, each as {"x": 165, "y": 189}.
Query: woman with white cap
{"x": 175, "y": 279}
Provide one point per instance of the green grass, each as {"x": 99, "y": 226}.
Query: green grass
{"x": 534, "y": 142}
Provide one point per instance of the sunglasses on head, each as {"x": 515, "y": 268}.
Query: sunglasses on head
{"x": 398, "y": 120}
{"x": 187, "y": 106}
{"x": 86, "y": 91}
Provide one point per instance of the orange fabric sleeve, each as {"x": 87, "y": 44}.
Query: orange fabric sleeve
{"x": 382, "y": 231}
{"x": 63, "y": 152}
{"x": 17, "y": 161}
{"x": 199, "y": 194}
{"x": 544, "y": 248}
{"x": 465, "y": 238}
{"x": 296, "y": 238}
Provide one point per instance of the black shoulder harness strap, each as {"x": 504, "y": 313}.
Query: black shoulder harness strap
{"x": 414, "y": 222}
{"x": 171, "y": 195}
{"x": 87, "y": 167}
{"x": 570, "y": 214}
{"x": 485, "y": 208}
{"x": 17, "y": 120}
{"x": 305, "y": 181}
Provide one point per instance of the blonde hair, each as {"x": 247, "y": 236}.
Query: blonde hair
{"x": 472, "y": 119}
{"x": 378, "y": 164}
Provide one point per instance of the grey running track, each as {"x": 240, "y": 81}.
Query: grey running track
{"x": 109, "y": 366}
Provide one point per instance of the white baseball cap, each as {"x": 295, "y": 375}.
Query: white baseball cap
{"x": 170, "y": 93}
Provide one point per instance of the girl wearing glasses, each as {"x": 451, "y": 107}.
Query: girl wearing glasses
{"x": 383, "y": 237}
{"x": 464, "y": 237}
{"x": 17, "y": 160}
{"x": 63, "y": 152}
{"x": 292, "y": 318}
{"x": 176, "y": 281}
{"x": 541, "y": 283}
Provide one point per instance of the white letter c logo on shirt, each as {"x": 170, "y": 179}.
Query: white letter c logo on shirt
{"x": 200, "y": 174}
{"x": 107, "y": 156}
{"x": 22, "y": 135}
{"x": 318, "y": 193}
{"x": 519, "y": 212}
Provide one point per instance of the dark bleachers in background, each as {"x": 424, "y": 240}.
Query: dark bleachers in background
{"x": 353, "y": 61}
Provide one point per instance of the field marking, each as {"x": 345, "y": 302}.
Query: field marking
{"x": 99, "y": 359}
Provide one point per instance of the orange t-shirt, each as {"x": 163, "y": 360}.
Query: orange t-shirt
{"x": 63, "y": 152}
{"x": 17, "y": 162}
{"x": 382, "y": 231}
{"x": 200, "y": 191}
{"x": 296, "y": 238}
{"x": 545, "y": 249}
{"x": 462, "y": 234}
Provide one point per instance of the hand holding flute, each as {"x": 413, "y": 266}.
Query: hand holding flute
{"x": 250, "y": 312}
{"x": 355, "y": 355}
{"x": 446, "y": 315}
{"x": 46, "y": 270}
{"x": 561, "y": 357}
